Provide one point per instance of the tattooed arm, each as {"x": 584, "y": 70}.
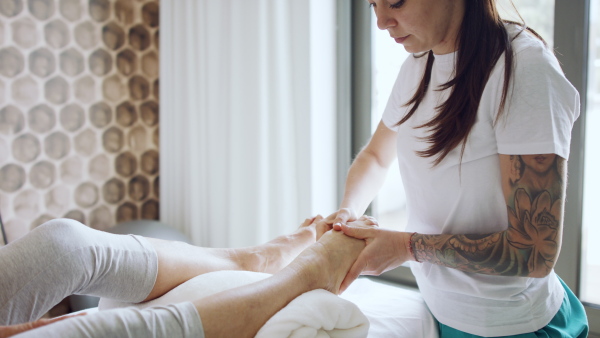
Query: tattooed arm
{"x": 534, "y": 189}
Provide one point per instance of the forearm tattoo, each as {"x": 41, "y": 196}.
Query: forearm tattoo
{"x": 529, "y": 247}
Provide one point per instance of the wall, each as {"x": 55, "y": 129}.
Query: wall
{"x": 78, "y": 112}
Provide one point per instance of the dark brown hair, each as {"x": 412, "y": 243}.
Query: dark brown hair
{"x": 482, "y": 39}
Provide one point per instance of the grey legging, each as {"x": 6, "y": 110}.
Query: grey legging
{"x": 64, "y": 257}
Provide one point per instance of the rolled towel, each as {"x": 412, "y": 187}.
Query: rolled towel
{"x": 317, "y": 313}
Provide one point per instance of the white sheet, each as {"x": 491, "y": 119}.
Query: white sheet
{"x": 367, "y": 308}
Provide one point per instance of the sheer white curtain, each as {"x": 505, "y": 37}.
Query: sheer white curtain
{"x": 247, "y": 126}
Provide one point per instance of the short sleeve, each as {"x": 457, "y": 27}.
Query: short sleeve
{"x": 541, "y": 107}
{"x": 404, "y": 87}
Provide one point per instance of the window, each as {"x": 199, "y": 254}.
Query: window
{"x": 390, "y": 205}
{"x": 591, "y": 231}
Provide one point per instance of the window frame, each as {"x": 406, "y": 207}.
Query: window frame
{"x": 571, "y": 29}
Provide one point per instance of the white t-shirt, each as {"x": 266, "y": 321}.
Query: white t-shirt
{"x": 468, "y": 199}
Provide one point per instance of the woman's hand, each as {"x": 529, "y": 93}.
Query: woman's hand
{"x": 342, "y": 216}
{"x": 385, "y": 250}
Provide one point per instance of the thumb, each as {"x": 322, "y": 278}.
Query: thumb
{"x": 341, "y": 218}
{"x": 352, "y": 274}
{"x": 356, "y": 232}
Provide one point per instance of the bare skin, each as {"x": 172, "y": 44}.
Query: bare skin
{"x": 298, "y": 263}
{"x": 531, "y": 244}
{"x": 178, "y": 262}
{"x": 323, "y": 265}
{"x": 529, "y": 247}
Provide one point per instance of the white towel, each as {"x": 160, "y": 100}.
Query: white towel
{"x": 317, "y": 313}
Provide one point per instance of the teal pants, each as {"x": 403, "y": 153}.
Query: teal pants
{"x": 569, "y": 322}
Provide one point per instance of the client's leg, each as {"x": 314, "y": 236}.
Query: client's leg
{"x": 241, "y": 312}
{"x": 238, "y": 312}
{"x": 63, "y": 257}
{"x": 179, "y": 262}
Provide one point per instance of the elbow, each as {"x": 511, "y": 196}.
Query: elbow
{"x": 542, "y": 269}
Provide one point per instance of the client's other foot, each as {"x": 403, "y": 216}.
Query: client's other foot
{"x": 326, "y": 263}
{"x": 274, "y": 255}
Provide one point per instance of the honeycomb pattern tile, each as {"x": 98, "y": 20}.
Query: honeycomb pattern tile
{"x": 85, "y": 89}
{"x": 150, "y": 64}
{"x": 100, "y": 115}
{"x": 126, "y": 164}
{"x": 100, "y": 62}
{"x": 86, "y": 35}
{"x": 99, "y": 168}
{"x": 10, "y": 8}
{"x": 71, "y": 170}
{"x": 57, "y": 34}
{"x": 41, "y": 118}
{"x": 127, "y": 212}
{"x": 57, "y": 90}
{"x": 150, "y": 14}
{"x": 26, "y": 148}
{"x": 42, "y": 62}
{"x": 24, "y": 33}
{"x": 41, "y": 9}
{"x": 25, "y": 91}
{"x": 124, "y": 11}
{"x": 149, "y": 113}
{"x": 86, "y": 194}
{"x": 127, "y": 62}
{"x": 57, "y": 145}
{"x": 126, "y": 114}
{"x": 150, "y": 209}
{"x": 12, "y": 120}
{"x": 42, "y": 175}
{"x": 54, "y": 198}
{"x": 101, "y": 218}
{"x": 72, "y": 117}
{"x": 77, "y": 215}
{"x": 85, "y": 143}
{"x": 12, "y": 177}
{"x": 70, "y": 9}
{"x": 113, "y": 191}
{"x": 12, "y": 62}
{"x": 79, "y": 111}
{"x": 150, "y": 162}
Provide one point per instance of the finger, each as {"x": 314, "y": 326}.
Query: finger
{"x": 356, "y": 232}
{"x": 352, "y": 274}
{"x": 317, "y": 218}
{"x": 322, "y": 227}
{"x": 370, "y": 220}
{"x": 342, "y": 218}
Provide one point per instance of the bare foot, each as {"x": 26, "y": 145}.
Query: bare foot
{"x": 276, "y": 254}
{"x": 326, "y": 263}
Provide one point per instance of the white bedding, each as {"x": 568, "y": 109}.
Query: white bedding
{"x": 366, "y": 309}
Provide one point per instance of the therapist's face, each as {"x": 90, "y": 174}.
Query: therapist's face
{"x": 421, "y": 25}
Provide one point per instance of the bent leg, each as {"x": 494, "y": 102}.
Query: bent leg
{"x": 238, "y": 312}
{"x": 179, "y": 262}
{"x": 63, "y": 257}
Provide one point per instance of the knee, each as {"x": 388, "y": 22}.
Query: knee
{"x": 63, "y": 232}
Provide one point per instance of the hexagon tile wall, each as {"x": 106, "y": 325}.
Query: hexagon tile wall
{"x": 78, "y": 112}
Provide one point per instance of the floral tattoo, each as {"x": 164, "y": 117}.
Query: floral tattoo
{"x": 530, "y": 245}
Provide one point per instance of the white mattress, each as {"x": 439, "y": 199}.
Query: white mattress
{"x": 393, "y": 311}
